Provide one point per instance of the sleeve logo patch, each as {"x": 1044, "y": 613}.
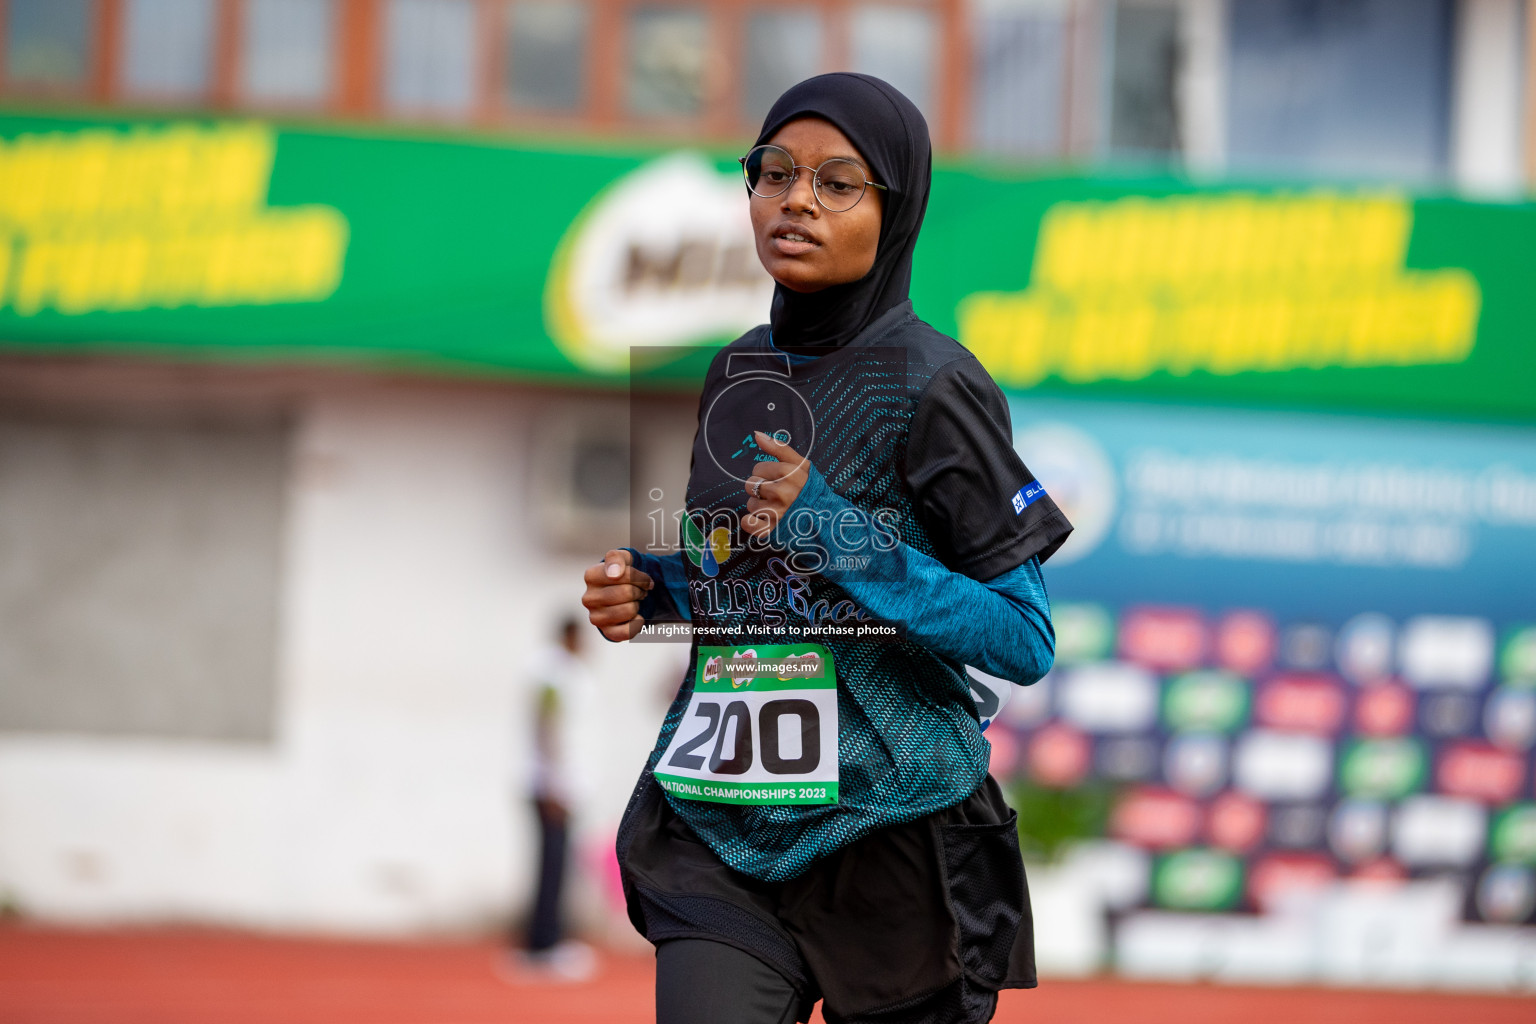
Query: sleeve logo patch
{"x": 1027, "y": 496}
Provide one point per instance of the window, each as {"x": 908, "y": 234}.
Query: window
{"x": 546, "y": 58}
{"x": 1019, "y": 72}
{"x": 1143, "y": 90}
{"x": 666, "y": 62}
{"x": 783, "y": 47}
{"x": 429, "y": 56}
{"x": 288, "y": 51}
{"x": 48, "y": 42}
{"x": 1351, "y": 88}
{"x": 896, "y": 44}
{"x": 167, "y": 47}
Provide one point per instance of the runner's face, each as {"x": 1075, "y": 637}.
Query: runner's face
{"x": 836, "y": 247}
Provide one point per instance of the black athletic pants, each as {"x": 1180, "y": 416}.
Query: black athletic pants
{"x": 544, "y": 929}
{"x": 704, "y": 982}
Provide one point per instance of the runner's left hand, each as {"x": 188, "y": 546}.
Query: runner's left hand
{"x": 777, "y": 485}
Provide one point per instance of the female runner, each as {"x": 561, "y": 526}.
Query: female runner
{"x": 823, "y": 826}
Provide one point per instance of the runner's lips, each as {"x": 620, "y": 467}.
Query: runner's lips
{"x": 803, "y": 240}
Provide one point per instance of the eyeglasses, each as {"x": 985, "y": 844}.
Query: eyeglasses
{"x": 838, "y": 183}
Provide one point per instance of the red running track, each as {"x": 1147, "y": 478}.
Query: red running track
{"x": 186, "y": 976}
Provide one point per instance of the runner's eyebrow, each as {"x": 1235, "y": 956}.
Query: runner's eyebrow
{"x": 835, "y": 156}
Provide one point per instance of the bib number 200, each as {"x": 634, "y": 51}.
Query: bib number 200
{"x": 769, "y": 717}
{"x": 756, "y": 739}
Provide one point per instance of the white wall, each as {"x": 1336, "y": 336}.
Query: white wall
{"x": 392, "y": 799}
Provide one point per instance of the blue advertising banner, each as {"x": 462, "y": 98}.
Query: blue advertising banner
{"x": 1298, "y": 649}
{"x": 1309, "y": 516}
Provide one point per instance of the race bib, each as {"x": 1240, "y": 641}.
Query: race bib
{"x": 761, "y": 728}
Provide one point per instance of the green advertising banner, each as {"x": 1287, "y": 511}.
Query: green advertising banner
{"x": 246, "y": 240}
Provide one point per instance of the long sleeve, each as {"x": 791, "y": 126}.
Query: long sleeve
{"x": 668, "y": 599}
{"x": 1002, "y": 626}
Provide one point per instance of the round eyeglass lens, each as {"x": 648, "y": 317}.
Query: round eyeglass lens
{"x": 838, "y": 184}
{"x": 770, "y": 171}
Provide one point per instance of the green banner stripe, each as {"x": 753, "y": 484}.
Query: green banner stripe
{"x": 249, "y": 240}
{"x": 749, "y": 792}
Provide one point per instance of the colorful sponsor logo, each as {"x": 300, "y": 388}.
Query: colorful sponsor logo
{"x": 738, "y": 659}
{"x": 1196, "y": 763}
{"x": 1385, "y": 769}
{"x": 1506, "y": 894}
{"x": 1517, "y": 658}
{"x": 1236, "y": 822}
{"x": 1279, "y": 878}
{"x": 1109, "y": 697}
{"x": 1363, "y": 649}
{"x": 1156, "y": 818}
{"x": 1513, "y": 836}
{"x": 1084, "y": 632}
{"x": 1448, "y": 651}
{"x": 1357, "y": 830}
{"x": 1026, "y": 496}
{"x": 1058, "y": 756}
{"x": 1438, "y": 831}
{"x": 1026, "y": 706}
{"x": 1197, "y": 880}
{"x": 1297, "y": 826}
{"x": 708, "y": 552}
{"x": 1385, "y": 709}
{"x": 1208, "y": 701}
{"x": 1164, "y": 639}
{"x": 1245, "y": 642}
{"x": 1282, "y": 765}
{"x": 1479, "y": 771}
{"x": 1301, "y": 703}
{"x": 1510, "y": 717}
{"x": 1306, "y": 647}
{"x": 1126, "y": 758}
{"x": 1004, "y": 752}
{"x": 626, "y": 274}
{"x": 1447, "y": 714}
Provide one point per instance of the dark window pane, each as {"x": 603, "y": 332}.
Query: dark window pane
{"x": 1347, "y": 88}
{"x": 429, "y": 56}
{"x": 167, "y": 47}
{"x": 666, "y": 62}
{"x": 48, "y": 42}
{"x": 1143, "y": 98}
{"x": 289, "y": 45}
{"x": 896, "y": 44}
{"x": 783, "y": 47}
{"x": 546, "y": 55}
{"x": 1019, "y": 72}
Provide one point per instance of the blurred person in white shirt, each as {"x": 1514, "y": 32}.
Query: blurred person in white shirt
{"x": 562, "y": 778}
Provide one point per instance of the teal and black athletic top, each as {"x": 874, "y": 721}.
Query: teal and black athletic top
{"x": 917, "y": 514}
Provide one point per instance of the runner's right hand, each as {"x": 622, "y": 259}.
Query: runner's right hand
{"x": 615, "y": 589}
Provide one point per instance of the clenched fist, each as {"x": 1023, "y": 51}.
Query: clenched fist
{"x": 615, "y": 589}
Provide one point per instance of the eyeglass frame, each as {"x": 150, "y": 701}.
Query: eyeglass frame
{"x": 815, "y": 177}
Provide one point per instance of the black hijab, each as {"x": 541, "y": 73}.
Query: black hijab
{"x": 889, "y": 130}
